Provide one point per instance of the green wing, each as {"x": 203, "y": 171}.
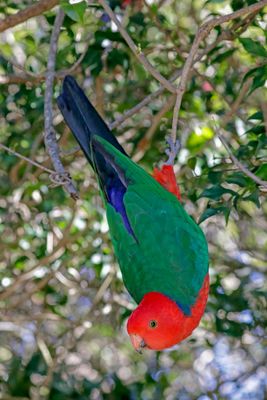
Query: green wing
{"x": 168, "y": 252}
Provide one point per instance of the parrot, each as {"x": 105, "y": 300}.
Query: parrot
{"x": 162, "y": 252}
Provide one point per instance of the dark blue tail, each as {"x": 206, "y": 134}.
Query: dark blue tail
{"x": 85, "y": 123}
{"x": 83, "y": 120}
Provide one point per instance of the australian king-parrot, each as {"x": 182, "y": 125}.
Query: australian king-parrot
{"x": 161, "y": 251}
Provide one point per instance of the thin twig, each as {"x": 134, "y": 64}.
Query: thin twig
{"x": 224, "y": 35}
{"x": 58, "y": 74}
{"x": 143, "y": 103}
{"x": 46, "y": 260}
{"x": 31, "y": 78}
{"x": 49, "y": 132}
{"x": 103, "y": 288}
{"x": 137, "y": 52}
{"x": 64, "y": 72}
{"x": 238, "y": 164}
{"x": 144, "y": 143}
{"x": 227, "y": 102}
{"x": 24, "y": 15}
{"x": 234, "y": 107}
{"x": 45, "y": 351}
{"x": 27, "y": 294}
{"x": 7, "y": 397}
{"x": 228, "y": 34}
{"x": 56, "y": 178}
{"x": 18, "y": 79}
{"x": 36, "y": 164}
{"x": 202, "y": 33}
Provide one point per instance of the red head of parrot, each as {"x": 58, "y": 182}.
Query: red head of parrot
{"x": 158, "y": 322}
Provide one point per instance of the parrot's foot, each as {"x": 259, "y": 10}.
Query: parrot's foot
{"x": 173, "y": 150}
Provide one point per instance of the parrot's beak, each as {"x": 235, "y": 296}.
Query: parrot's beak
{"x": 138, "y": 343}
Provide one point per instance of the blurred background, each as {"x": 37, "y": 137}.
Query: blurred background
{"x": 63, "y": 306}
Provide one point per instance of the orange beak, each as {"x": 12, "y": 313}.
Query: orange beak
{"x": 138, "y": 343}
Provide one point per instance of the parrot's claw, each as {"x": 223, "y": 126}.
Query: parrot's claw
{"x": 168, "y": 152}
{"x": 173, "y": 150}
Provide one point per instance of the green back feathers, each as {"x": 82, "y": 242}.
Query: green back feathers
{"x": 168, "y": 252}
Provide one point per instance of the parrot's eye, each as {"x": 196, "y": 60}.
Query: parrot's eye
{"x": 153, "y": 323}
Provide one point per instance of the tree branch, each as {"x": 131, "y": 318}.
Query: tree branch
{"x": 49, "y": 132}
{"x": 56, "y": 178}
{"x": 137, "y": 52}
{"x": 202, "y": 33}
{"x": 35, "y": 79}
{"x": 24, "y": 15}
{"x": 36, "y": 164}
{"x": 143, "y": 103}
{"x": 224, "y": 35}
{"x": 18, "y": 79}
{"x": 239, "y": 165}
{"x": 234, "y": 107}
{"x": 144, "y": 143}
{"x": 46, "y": 260}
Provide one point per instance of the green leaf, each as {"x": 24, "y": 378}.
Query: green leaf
{"x": 257, "y": 115}
{"x": 220, "y": 57}
{"x": 100, "y": 36}
{"x": 237, "y": 178}
{"x": 140, "y": 72}
{"x": 118, "y": 57}
{"x": 138, "y": 19}
{"x": 74, "y": 11}
{"x": 197, "y": 139}
{"x": 257, "y": 130}
{"x": 215, "y": 176}
{"x": 253, "y": 47}
{"x": 237, "y": 4}
{"x": 262, "y": 172}
{"x": 209, "y": 212}
{"x": 20, "y": 262}
{"x": 191, "y": 162}
{"x": 254, "y": 197}
{"x": 93, "y": 59}
{"x": 259, "y": 75}
{"x": 36, "y": 365}
{"x": 226, "y": 211}
{"x": 215, "y": 192}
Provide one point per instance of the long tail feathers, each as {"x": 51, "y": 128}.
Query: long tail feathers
{"x": 83, "y": 120}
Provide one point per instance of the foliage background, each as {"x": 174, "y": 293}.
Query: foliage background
{"x": 63, "y": 306}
